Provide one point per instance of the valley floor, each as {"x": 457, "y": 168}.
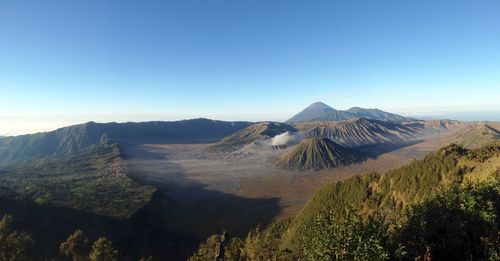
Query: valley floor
{"x": 240, "y": 192}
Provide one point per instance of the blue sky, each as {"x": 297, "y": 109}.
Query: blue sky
{"x": 64, "y": 62}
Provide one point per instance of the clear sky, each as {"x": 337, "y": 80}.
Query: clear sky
{"x": 65, "y": 62}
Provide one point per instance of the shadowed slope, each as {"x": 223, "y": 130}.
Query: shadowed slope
{"x": 70, "y": 139}
{"x": 319, "y": 111}
{"x": 316, "y": 153}
{"x": 376, "y": 114}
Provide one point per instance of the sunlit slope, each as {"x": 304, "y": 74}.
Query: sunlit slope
{"x": 257, "y": 131}
{"x": 478, "y": 135}
{"x": 316, "y": 153}
{"x": 360, "y": 132}
{"x": 392, "y": 192}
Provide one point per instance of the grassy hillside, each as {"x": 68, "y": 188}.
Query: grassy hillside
{"x": 316, "y": 153}
{"x": 92, "y": 180}
{"x": 391, "y": 193}
{"x": 445, "y": 205}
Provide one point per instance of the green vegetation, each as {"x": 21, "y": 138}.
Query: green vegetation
{"x": 103, "y": 250}
{"x": 345, "y": 238}
{"x": 14, "y": 245}
{"x": 79, "y": 179}
{"x": 316, "y": 153}
{"x": 445, "y": 206}
{"x": 257, "y": 245}
{"x": 460, "y": 223}
{"x": 438, "y": 206}
{"x": 77, "y": 246}
{"x": 92, "y": 180}
{"x": 387, "y": 194}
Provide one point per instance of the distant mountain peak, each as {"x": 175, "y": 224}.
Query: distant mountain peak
{"x": 320, "y": 111}
{"x": 319, "y": 105}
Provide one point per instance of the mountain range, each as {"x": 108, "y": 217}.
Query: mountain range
{"x": 478, "y": 135}
{"x": 319, "y": 111}
{"x": 71, "y": 139}
{"x": 85, "y": 169}
{"x": 360, "y": 132}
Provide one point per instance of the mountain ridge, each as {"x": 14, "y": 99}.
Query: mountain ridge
{"x": 316, "y": 153}
{"x": 360, "y": 132}
{"x": 256, "y": 131}
{"x": 68, "y": 140}
{"x": 320, "y": 111}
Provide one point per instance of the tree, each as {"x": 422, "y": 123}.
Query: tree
{"x": 347, "y": 238}
{"x": 219, "y": 247}
{"x": 103, "y": 250}
{"x": 459, "y": 223}
{"x": 77, "y": 246}
{"x": 14, "y": 245}
{"x": 251, "y": 247}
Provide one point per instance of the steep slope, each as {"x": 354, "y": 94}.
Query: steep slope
{"x": 93, "y": 180}
{"x": 376, "y": 114}
{"x": 252, "y": 133}
{"x": 58, "y": 142}
{"x": 319, "y": 111}
{"x": 316, "y": 153}
{"x": 390, "y": 193}
{"x": 71, "y": 139}
{"x": 477, "y": 135}
{"x": 360, "y": 132}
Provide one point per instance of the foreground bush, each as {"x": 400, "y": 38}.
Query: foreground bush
{"x": 459, "y": 223}
{"x": 347, "y": 238}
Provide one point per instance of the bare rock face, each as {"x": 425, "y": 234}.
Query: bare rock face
{"x": 316, "y": 153}
{"x": 361, "y": 132}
